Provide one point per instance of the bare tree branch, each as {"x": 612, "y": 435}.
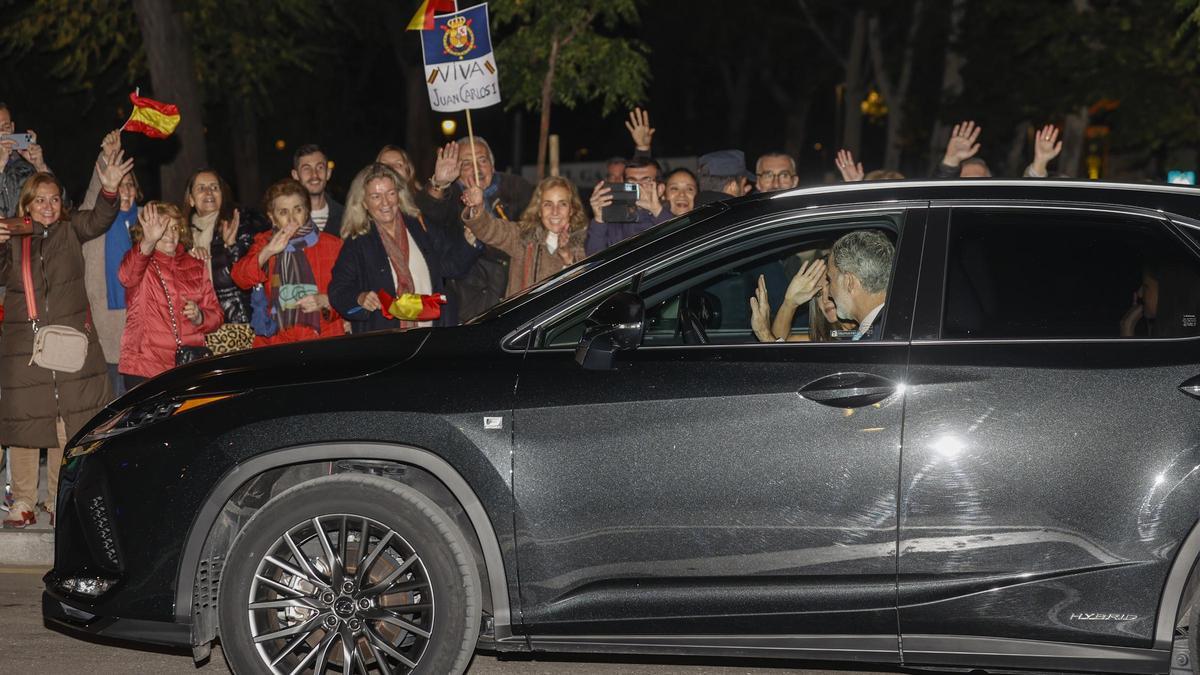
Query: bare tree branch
{"x": 820, "y": 33}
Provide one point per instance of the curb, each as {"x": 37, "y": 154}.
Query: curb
{"x": 27, "y": 548}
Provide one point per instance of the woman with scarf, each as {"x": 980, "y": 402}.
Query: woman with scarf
{"x": 170, "y": 296}
{"x": 294, "y": 264}
{"x": 221, "y": 237}
{"x": 389, "y": 247}
{"x": 43, "y": 408}
{"x": 548, "y": 237}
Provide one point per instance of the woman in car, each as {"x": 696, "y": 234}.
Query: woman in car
{"x": 388, "y": 246}
{"x": 807, "y": 287}
{"x": 1167, "y": 304}
{"x": 170, "y": 297}
{"x": 294, "y": 263}
{"x": 42, "y": 408}
{"x": 548, "y": 237}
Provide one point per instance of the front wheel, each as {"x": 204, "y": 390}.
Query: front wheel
{"x": 349, "y": 574}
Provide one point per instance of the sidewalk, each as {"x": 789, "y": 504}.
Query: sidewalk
{"x": 32, "y": 546}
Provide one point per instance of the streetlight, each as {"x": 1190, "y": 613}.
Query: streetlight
{"x": 449, "y": 126}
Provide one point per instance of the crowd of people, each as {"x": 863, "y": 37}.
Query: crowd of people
{"x": 140, "y": 286}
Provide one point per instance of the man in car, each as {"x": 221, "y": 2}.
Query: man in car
{"x": 860, "y": 265}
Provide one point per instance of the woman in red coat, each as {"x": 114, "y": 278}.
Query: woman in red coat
{"x": 156, "y": 322}
{"x": 294, "y": 263}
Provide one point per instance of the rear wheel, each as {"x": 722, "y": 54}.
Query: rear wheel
{"x": 349, "y": 574}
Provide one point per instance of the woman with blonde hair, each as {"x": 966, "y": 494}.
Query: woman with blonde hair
{"x": 41, "y": 268}
{"x": 389, "y": 247}
{"x": 169, "y": 294}
{"x": 548, "y": 237}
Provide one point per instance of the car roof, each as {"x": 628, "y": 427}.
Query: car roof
{"x": 1174, "y": 199}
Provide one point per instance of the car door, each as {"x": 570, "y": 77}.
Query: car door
{"x": 730, "y": 494}
{"x": 1051, "y": 458}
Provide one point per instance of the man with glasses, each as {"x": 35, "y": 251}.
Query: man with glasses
{"x": 775, "y": 171}
{"x": 651, "y": 211}
{"x": 504, "y": 196}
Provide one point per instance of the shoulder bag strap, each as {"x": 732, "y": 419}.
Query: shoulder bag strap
{"x": 27, "y": 280}
{"x": 170, "y": 305}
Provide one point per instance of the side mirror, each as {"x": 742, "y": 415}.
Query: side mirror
{"x": 615, "y": 326}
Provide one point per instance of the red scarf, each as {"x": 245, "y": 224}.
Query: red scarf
{"x": 396, "y": 247}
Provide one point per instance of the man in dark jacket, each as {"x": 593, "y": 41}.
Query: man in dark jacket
{"x": 310, "y": 166}
{"x": 505, "y": 196}
{"x": 18, "y": 165}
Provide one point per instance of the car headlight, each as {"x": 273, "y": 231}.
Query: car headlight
{"x": 138, "y": 416}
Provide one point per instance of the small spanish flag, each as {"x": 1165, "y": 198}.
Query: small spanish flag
{"x": 423, "y": 19}
{"x": 153, "y": 118}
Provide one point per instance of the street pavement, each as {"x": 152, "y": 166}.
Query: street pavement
{"x": 29, "y": 648}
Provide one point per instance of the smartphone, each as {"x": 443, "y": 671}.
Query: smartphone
{"x": 624, "y": 204}
{"x": 20, "y": 141}
{"x": 1181, "y": 177}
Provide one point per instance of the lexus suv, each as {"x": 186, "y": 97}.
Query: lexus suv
{"x": 1003, "y": 475}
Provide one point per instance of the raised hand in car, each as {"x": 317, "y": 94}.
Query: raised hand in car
{"x": 806, "y": 284}
{"x": 760, "y": 312}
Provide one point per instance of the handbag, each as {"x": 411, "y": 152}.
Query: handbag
{"x": 184, "y": 354}
{"x": 55, "y": 347}
{"x": 230, "y": 337}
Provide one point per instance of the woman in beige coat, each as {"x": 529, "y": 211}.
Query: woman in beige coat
{"x": 548, "y": 237}
{"x": 43, "y": 408}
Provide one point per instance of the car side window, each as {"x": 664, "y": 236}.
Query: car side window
{"x": 1021, "y": 273}
{"x": 705, "y": 299}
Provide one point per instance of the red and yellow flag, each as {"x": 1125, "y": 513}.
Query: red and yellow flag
{"x": 423, "y": 19}
{"x": 153, "y": 118}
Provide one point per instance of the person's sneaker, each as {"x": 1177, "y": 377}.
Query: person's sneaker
{"x": 19, "y": 516}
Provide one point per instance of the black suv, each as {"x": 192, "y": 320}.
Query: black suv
{"x": 1004, "y": 475}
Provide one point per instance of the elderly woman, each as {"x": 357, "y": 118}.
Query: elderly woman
{"x": 169, "y": 294}
{"x": 42, "y": 408}
{"x": 294, "y": 263}
{"x": 389, "y": 247}
{"x": 548, "y": 237}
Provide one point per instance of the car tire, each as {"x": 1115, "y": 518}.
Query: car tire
{"x": 413, "y": 596}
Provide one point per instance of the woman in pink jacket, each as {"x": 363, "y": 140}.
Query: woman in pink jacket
{"x": 157, "y": 323}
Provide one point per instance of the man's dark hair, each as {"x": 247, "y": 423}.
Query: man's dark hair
{"x": 4, "y": 106}
{"x": 306, "y": 149}
{"x": 643, "y": 162}
{"x": 616, "y": 160}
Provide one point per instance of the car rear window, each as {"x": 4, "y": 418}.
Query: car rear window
{"x": 1021, "y": 273}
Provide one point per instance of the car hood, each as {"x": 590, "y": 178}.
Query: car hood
{"x": 308, "y": 362}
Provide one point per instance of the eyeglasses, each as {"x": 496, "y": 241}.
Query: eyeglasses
{"x": 768, "y": 176}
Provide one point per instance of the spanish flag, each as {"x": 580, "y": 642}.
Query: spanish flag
{"x": 423, "y": 19}
{"x": 153, "y": 118}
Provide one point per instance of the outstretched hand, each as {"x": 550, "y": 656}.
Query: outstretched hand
{"x": 154, "y": 226}
{"x": 1046, "y": 147}
{"x": 113, "y": 171}
{"x": 962, "y": 145}
{"x": 760, "y": 312}
{"x": 806, "y": 283}
{"x": 640, "y": 129}
{"x": 446, "y": 170}
{"x": 851, "y": 172}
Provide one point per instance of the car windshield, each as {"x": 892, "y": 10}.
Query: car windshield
{"x": 594, "y": 261}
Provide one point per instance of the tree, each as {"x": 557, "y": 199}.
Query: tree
{"x": 553, "y": 53}
{"x": 853, "y": 65}
{"x": 233, "y": 49}
{"x": 895, "y": 92}
{"x": 93, "y": 37}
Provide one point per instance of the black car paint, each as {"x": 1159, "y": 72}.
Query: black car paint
{"x": 1070, "y": 551}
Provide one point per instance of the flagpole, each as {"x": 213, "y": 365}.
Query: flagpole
{"x": 471, "y": 133}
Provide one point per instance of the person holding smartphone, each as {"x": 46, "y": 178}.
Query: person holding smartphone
{"x": 646, "y": 174}
{"x": 18, "y": 163}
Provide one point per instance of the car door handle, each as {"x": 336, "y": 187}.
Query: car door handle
{"x": 1191, "y": 387}
{"x": 848, "y": 390}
